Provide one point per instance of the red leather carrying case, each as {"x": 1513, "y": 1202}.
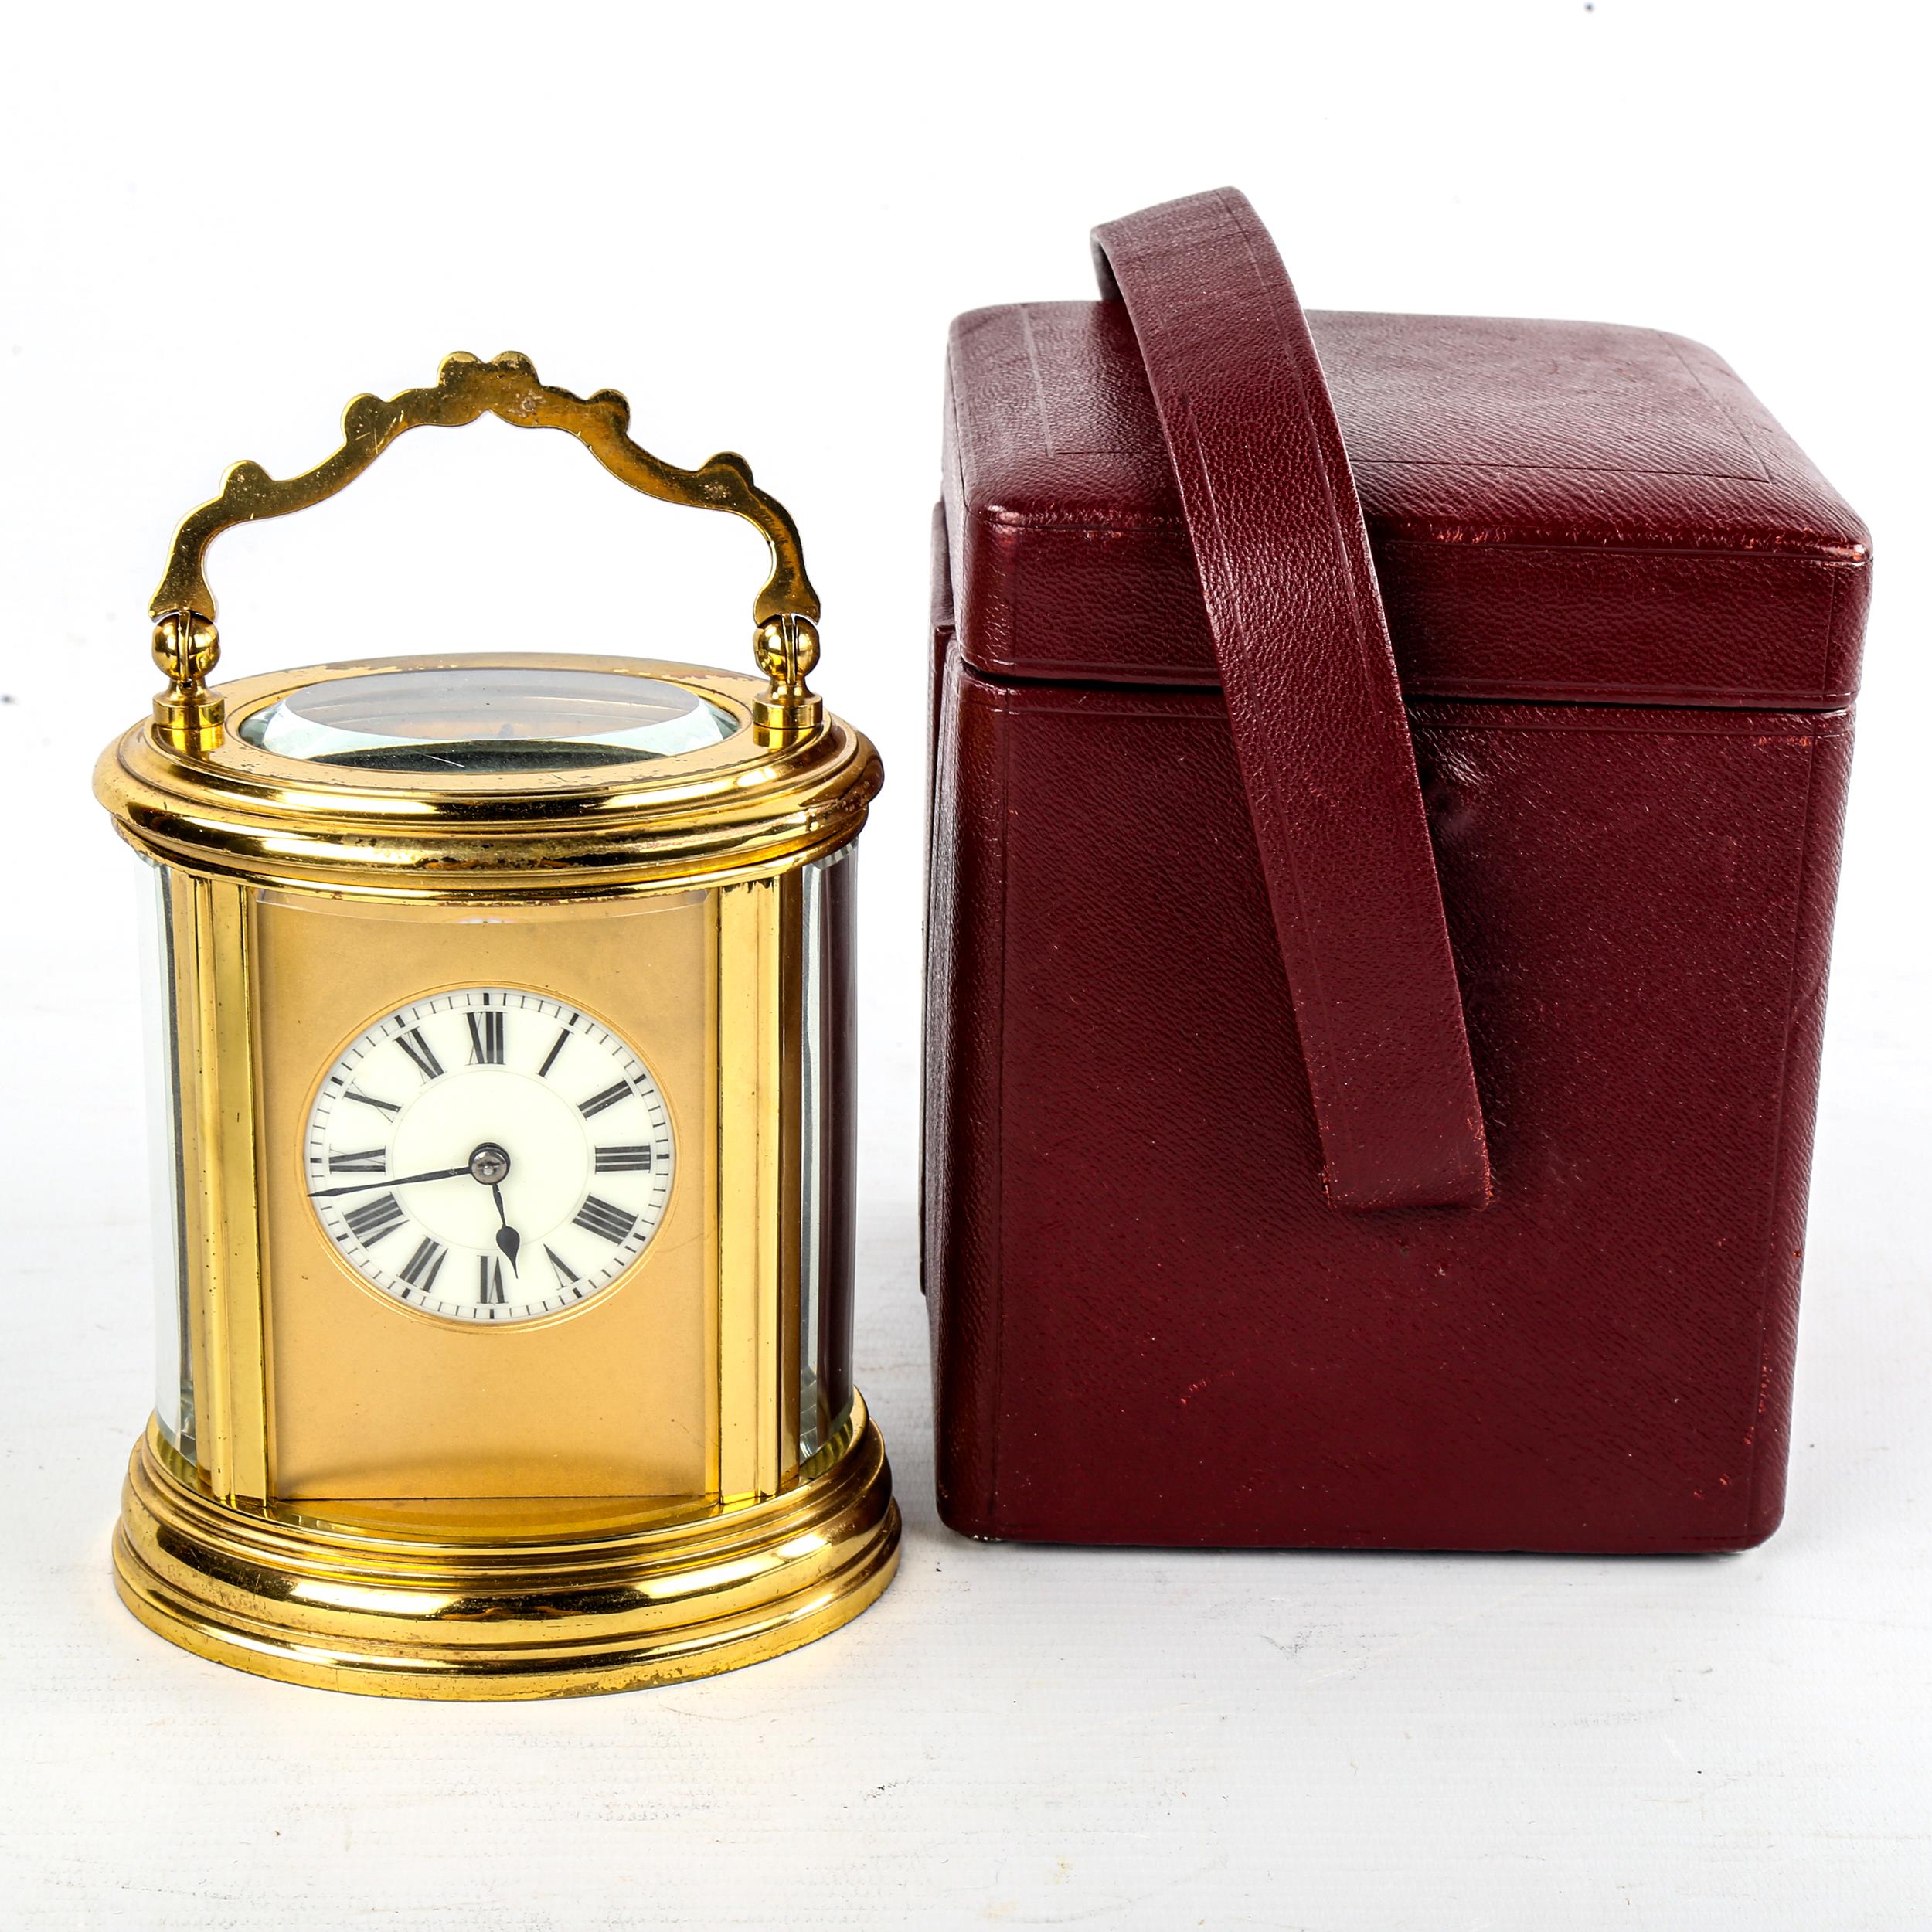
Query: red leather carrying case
{"x": 1387, "y": 779}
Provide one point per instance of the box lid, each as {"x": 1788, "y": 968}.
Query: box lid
{"x": 1558, "y": 511}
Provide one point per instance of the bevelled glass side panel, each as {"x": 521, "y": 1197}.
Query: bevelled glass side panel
{"x": 174, "y": 1373}
{"x": 828, "y": 1168}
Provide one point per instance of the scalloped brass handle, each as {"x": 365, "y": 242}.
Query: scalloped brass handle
{"x": 187, "y": 647}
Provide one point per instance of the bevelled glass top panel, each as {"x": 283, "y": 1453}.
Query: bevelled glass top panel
{"x": 479, "y": 719}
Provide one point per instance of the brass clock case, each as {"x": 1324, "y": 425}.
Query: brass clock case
{"x": 363, "y": 1496}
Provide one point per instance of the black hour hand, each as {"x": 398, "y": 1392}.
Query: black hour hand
{"x": 507, "y": 1237}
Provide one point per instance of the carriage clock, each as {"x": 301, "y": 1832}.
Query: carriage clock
{"x": 503, "y": 1062}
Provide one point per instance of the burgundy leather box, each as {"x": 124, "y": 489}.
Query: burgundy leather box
{"x": 1221, "y": 1247}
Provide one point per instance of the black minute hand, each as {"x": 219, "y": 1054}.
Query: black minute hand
{"x": 383, "y": 1180}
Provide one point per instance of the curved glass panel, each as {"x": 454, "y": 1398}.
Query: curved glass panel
{"x": 483, "y": 718}
{"x": 174, "y": 1361}
{"x": 828, "y": 1080}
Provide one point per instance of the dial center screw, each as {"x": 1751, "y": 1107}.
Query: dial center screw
{"x": 489, "y": 1164}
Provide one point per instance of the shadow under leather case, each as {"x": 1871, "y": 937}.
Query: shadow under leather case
{"x": 1626, "y": 614}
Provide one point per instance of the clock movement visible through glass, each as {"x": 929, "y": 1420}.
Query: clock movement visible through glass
{"x": 489, "y": 1155}
{"x": 483, "y": 718}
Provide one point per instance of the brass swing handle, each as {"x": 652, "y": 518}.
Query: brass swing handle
{"x": 187, "y": 646}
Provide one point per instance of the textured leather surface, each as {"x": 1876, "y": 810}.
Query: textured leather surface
{"x": 1148, "y": 1325}
{"x": 1312, "y": 701}
{"x": 1559, "y": 510}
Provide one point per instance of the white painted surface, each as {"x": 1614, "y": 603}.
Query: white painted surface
{"x": 206, "y": 251}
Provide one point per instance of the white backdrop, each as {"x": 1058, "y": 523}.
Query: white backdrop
{"x": 217, "y": 224}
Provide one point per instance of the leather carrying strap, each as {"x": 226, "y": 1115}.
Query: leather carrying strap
{"x": 1310, "y": 678}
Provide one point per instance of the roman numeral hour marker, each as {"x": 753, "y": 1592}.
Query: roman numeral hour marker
{"x": 374, "y": 1219}
{"x": 421, "y": 1269}
{"x": 624, "y": 1160}
{"x": 486, "y": 1038}
{"x": 420, "y": 1050}
{"x": 600, "y": 1217}
{"x": 609, "y": 1097}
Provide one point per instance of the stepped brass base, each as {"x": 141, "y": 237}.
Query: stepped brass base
{"x": 394, "y": 1613}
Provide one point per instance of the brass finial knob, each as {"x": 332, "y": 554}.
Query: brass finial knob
{"x": 188, "y": 714}
{"x": 786, "y": 648}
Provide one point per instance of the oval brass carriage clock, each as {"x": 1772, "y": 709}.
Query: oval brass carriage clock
{"x": 503, "y": 1063}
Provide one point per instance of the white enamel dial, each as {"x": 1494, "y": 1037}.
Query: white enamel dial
{"x": 489, "y": 1155}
